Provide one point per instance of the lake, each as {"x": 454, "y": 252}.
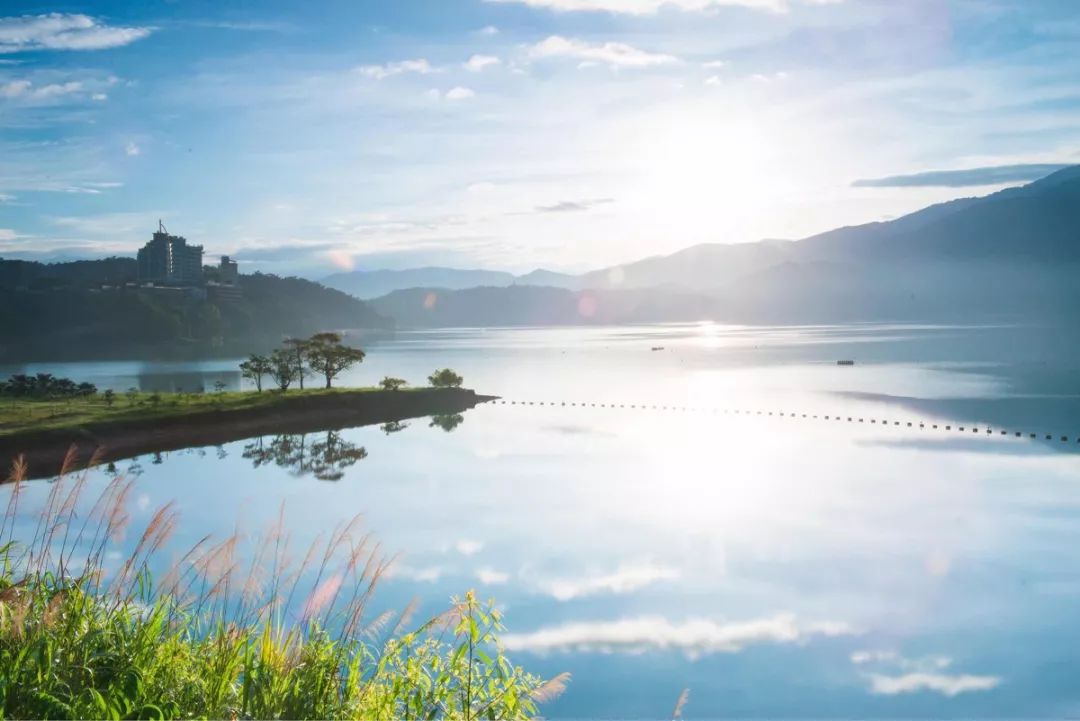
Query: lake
{"x": 775, "y": 565}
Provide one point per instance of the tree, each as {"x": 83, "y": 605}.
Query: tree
{"x": 298, "y": 348}
{"x": 445, "y": 378}
{"x": 392, "y": 384}
{"x": 254, "y": 368}
{"x": 219, "y": 386}
{"x": 110, "y": 397}
{"x": 282, "y": 368}
{"x": 328, "y": 356}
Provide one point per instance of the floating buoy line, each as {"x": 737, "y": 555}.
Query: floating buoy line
{"x": 975, "y": 429}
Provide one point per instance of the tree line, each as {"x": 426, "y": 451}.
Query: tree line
{"x": 44, "y": 385}
{"x": 323, "y": 355}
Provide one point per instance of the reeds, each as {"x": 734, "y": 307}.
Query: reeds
{"x": 224, "y": 636}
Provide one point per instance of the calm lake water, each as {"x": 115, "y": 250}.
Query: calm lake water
{"x": 775, "y": 566}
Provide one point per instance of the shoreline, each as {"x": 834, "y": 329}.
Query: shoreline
{"x": 45, "y": 449}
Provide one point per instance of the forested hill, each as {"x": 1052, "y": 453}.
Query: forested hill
{"x": 62, "y": 311}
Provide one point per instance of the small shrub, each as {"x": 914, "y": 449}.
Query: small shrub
{"x": 445, "y": 378}
{"x": 392, "y": 384}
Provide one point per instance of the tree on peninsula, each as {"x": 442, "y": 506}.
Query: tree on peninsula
{"x": 328, "y": 356}
{"x": 282, "y": 368}
{"x": 445, "y": 378}
{"x": 254, "y": 368}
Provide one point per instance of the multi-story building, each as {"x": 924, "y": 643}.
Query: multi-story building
{"x": 169, "y": 260}
{"x": 228, "y": 271}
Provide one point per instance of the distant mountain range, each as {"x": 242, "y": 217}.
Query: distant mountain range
{"x": 367, "y": 284}
{"x": 1012, "y": 253}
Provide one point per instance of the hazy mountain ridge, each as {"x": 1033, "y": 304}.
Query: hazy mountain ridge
{"x": 1014, "y": 253}
{"x": 368, "y": 284}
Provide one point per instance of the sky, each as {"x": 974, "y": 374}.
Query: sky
{"x": 313, "y": 137}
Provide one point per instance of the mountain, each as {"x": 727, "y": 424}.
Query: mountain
{"x": 61, "y": 311}
{"x": 365, "y": 284}
{"x": 1012, "y": 254}
{"x": 525, "y": 305}
{"x": 80, "y": 273}
{"x": 551, "y": 279}
{"x": 1037, "y": 222}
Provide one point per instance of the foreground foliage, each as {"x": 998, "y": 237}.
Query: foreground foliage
{"x": 226, "y": 637}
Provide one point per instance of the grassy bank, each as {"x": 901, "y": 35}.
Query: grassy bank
{"x": 228, "y": 631}
{"x": 43, "y": 432}
{"x": 18, "y": 415}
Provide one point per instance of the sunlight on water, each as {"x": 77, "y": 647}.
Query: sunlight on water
{"x": 779, "y": 565}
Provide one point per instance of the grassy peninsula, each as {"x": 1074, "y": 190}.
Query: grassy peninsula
{"x": 50, "y": 422}
{"x": 20, "y": 416}
{"x": 45, "y": 431}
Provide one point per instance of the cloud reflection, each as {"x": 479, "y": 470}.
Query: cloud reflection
{"x": 694, "y": 637}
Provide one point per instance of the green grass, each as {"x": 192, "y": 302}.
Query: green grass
{"x": 226, "y": 634}
{"x": 26, "y": 414}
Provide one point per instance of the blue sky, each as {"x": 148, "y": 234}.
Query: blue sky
{"x": 511, "y": 134}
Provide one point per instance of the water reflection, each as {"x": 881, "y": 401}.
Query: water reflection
{"x": 325, "y": 457}
{"x": 393, "y": 427}
{"x": 447, "y": 422}
{"x": 778, "y": 567}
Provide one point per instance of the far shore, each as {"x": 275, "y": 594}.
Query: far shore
{"x": 170, "y": 422}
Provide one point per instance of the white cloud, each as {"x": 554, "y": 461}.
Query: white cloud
{"x": 892, "y": 658}
{"x": 468, "y": 547}
{"x": 919, "y": 674}
{"x": 132, "y": 148}
{"x": 769, "y": 77}
{"x": 491, "y": 577}
{"x": 478, "y": 62}
{"x": 488, "y": 30}
{"x": 625, "y": 579}
{"x": 646, "y": 7}
{"x": 8, "y": 234}
{"x": 6, "y": 198}
{"x": 713, "y": 80}
{"x": 14, "y": 89}
{"x": 863, "y": 657}
{"x": 694, "y": 637}
{"x": 57, "y": 89}
{"x": 425, "y": 574}
{"x": 945, "y": 684}
{"x": 62, "y": 31}
{"x": 459, "y": 93}
{"x": 379, "y": 72}
{"x": 714, "y": 64}
{"x": 611, "y": 53}
{"x": 99, "y": 97}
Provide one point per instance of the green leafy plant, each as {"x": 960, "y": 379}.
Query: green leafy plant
{"x": 82, "y": 638}
{"x": 329, "y": 357}
{"x": 254, "y": 368}
{"x": 445, "y": 378}
{"x": 392, "y": 384}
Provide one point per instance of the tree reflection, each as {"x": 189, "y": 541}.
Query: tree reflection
{"x": 393, "y": 427}
{"x": 325, "y": 457}
{"x": 447, "y": 422}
